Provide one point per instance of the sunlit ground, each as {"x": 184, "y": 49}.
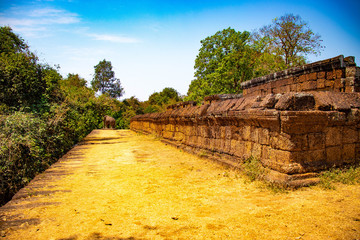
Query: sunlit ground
{"x": 122, "y": 185}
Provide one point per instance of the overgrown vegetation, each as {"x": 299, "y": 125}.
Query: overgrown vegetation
{"x": 349, "y": 175}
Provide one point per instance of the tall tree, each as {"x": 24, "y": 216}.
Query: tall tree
{"x": 225, "y": 60}
{"x": 291, "y": 38}
{"x": 104, "y": 80}
{"x": 23, "y": 81}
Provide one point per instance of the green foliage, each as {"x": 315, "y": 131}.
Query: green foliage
{"x": 349, "y": 175}
{"x": 74, "y": 80}
{"x": 104, "y": 80}
{"x": 253, "y": 169}
{"x": 10, "y": 42}
{"x": 158, "y": 101}
{"x": 225, "y": 60}
{"x": 20, "y": 80}
{"x": 42, "y": 115}
{"x": 229, "y": 57}
{"x": 24, "y": 83}
{"x": 23, "y": 151}
{"x": 290, "y": 38}
{"x": 128, "y": 108}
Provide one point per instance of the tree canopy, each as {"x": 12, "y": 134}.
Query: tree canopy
{"x": 292, "y": 39}
{"x": 230, "y": 57}
{"x": 225, "y": 60}
{"x": 23, "y": 81}
{"x": 104, "y": 80}
{"x": 10, "y": 42}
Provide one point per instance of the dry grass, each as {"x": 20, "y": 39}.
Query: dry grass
{"x": 121, "y": 185}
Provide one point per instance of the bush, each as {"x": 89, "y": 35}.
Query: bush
{"x": 22, "y": 151}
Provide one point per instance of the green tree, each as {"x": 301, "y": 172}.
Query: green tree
{"x": 24, "y": 83}
{"x": 104, "y": 80}
{"x": 158, "y": 101}
{"x": 225, "y": 60}
{"x": 291, "y": 39}
{"x": 164, "y": 97}
{"x": 75, "y": 80}
{"x": 10, "y": 42}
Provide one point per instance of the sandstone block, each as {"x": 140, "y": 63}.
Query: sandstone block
{"x": 238, "y": 148}
{"x": 316, "y": 141}
{"x": 339, "y": 73}
{"x": 330, "y": 75}
{"x": 303, "y": 122}
{"x": 321, "y": 75}
{"x": 329, "y": 83}
{"x": 333, "y": 136}
{"x": 309, "y": 85}
{"x": 264, "y": 136}
{"x": 295, "y": 102}
{"x": 226, "y": 143}
{"x": 333, "y": 155}
{"x": 311, "y": 76}
{"x": 350, "y": 135}
{"x": 349, "y": 153}
{"x": 256, "y": 150}
{"x": 301, "y": 78}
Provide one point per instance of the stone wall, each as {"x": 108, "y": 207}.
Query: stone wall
{"x": 336, "y": 74}
{"x": 294, "y": 134}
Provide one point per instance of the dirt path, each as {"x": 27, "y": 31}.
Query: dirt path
{"x": 122, "y": 185}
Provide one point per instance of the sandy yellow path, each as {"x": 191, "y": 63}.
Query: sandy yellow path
{"x": 122, "y": 185}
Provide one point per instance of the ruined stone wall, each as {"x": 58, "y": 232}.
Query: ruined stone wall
{"x": 337, "y": 74}
{"x": 293, "y": 134}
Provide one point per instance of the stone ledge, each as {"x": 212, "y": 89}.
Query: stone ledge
{"x": 324, "y": 65}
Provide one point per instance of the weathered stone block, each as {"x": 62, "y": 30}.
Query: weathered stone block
{"x": 303, "y": 122}
{"x": 238, "y": 148}
{"x": 246, "y": 130}
{"x": 311, "y": 76}
{"x": 329, "y": 83}
{"x": 330, "y": 75}
{"x": 316, "y": 141}
{"x": 226, "y": 143}
{"x": 321, "y": 75}
{"x": 333, "y": 136}
{"x": 339, "y": 73}
{"x": 264, "y": 136}
{"x": 288, "y": 142}
{"x": 248, "y": 149}
{"x": 296, "y": 102}
{"x": 350, "y": 135}
{"x": 333, "y": 155}
{"x": 320, "y": 83}
{"x": 349, "y": 153}
{"x": 256, "y": 150}
{"x": 309, "y": 85}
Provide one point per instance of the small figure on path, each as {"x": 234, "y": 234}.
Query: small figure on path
{"x": 109, "y": 121}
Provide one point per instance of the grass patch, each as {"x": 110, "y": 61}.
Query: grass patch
{"x": 253, "y": 169}
{"x": 349, "y": 175}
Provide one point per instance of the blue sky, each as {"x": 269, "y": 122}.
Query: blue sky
{"x": 153, "y": 44}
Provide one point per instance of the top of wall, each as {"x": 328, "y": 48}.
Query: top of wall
{"x": 338, "y": 62}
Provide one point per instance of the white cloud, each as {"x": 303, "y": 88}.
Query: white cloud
{"x": 113, "y": 38}
{"x": 37, "y": 17}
